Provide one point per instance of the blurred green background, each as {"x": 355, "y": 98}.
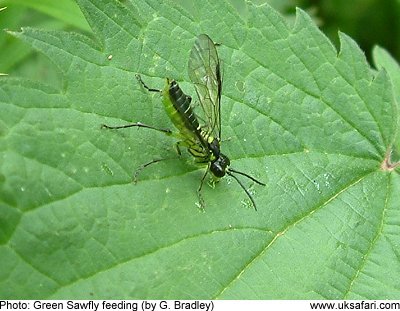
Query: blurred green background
{"x": 368, "y": 22}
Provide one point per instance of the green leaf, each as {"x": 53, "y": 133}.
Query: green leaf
{"x": 383, "y": 60}
{"x": 314, "y": 124}
{"x": 62, "y": 10}
{"x": 16, "y": 57}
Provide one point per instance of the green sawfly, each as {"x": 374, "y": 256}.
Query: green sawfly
{"x": 200, "y": 134}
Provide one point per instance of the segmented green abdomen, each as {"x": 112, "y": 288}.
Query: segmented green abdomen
{"x": 177, "y": 105}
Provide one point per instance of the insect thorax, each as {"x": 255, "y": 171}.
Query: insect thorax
{"x": 218, "y": 161}
{"x": 199, "y": 151}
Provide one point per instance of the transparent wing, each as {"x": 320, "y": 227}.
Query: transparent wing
{"x": 204, "y": 71}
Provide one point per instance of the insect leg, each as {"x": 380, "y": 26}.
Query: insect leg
{"x": 137, "y": 124}
{"x": 201, "y": 200}
{"x": 178, "y": 150}
{"x": 145, "y": 86}
{"x": 143, "y": 166}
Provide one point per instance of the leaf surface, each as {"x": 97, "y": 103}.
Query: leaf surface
{"x": 313, "y": 123}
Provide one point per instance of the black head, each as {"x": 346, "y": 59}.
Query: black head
{"x": 219, "y": 165}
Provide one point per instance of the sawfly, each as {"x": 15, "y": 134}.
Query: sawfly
{"x": 200, "y": 134}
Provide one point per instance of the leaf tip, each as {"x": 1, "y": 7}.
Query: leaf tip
{"x": 301, "y": 13}
{"x": 346, "y": 42}
{"x": 350, "y": 51}
{"x": 302, "y": 18}
{"x": 382, "y": 58}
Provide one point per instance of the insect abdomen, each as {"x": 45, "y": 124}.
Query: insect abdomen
{"x": 181, "y": 103}
{"x": 179, "y": 110}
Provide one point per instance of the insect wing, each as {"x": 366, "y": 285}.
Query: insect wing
{"x": 204, "y": 71}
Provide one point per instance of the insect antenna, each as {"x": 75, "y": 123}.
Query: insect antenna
{"x": 243, "y": 187}
{"x": 246, "y": 175}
